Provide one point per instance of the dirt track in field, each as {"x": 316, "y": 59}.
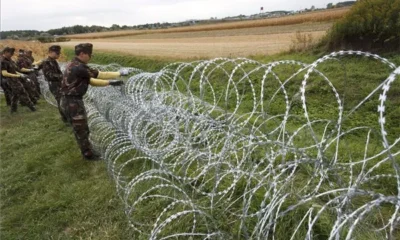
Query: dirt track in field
{"x": 209, "y": 44}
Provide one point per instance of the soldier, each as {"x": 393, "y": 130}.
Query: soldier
{"x": 53, "y": 75}
{"x": 25, "y": 64}
{"x": 30, "y": 57}
{"x": 28, "y": 54}
{"x": 4, "y": 85}
{"x": 6, "y": 88}
{"x": 35, "y": 66}
{"x": 13, "y": 80}
{"x": 77, "y": 78}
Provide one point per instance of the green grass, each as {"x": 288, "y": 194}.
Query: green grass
{"x": 47, "y": 190}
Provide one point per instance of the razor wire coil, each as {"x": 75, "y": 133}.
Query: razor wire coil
{"x": 233, "y": 148}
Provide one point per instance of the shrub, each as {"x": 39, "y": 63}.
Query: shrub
{"x": 302, "y": 42}
{"x": 45, "y": 39}
{"x": 62, "y": 39}
{"x": 369, "y": 25}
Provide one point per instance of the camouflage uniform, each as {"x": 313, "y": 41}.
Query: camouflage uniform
{"x": 5, "y": 87}
{"x": 33, "y": 85}
{"x": 35, "y": 78}
{"x": 18, "y": 92}
{"x": 73, "y": 87}
{"x": 6, "y": 90}
{"x": 30, "y": 57}
{"x": 54, "y": 76}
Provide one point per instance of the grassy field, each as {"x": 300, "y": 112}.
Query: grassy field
{"x": 49, "y": 192}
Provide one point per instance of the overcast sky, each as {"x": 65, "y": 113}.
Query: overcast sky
{"x": 50, "y": 14}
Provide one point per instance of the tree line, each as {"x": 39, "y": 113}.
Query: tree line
{"x": 76, "y": 29}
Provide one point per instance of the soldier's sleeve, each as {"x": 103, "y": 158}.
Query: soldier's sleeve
{"x": 4, "y": 68}
{"x": 20, "y": 63}
{"x": 50, "y": 73}
{"x": 4, "y": 65}
{"x": 17, "y": 68}
{"x": 94, "y": 72}
{"x": 80, "y": 73}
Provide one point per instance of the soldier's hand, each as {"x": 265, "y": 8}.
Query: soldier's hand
{"x": 116, "y": 82}
{"x": 124, "y": 72}
{"x": 23, "y": 76}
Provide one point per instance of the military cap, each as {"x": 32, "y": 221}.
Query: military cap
{"x": 55, "y": 48}
{"x": 84, "y": 47}
{"x": 9, "y": 50}
{"x": 21, "y": 51}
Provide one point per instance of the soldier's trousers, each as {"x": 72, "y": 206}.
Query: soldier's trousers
{"x": 6, "y": 90}
{"x": 30, "y": 88}
{"x": 55, "y": 88}
{"x": 74, "y": 109}
{"x": 18, "y": 93}
{"x": 35, "y": 80}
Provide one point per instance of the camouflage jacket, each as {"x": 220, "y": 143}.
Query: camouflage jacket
{"x": 77, "y": 78}
{"x": 9, "y": 65}
{"x": 51, "y": 70}
{"x": 24, "y": 62}
{"x": 31, "y": 59}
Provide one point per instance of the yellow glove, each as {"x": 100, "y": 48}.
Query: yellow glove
{"x": 25, "y": 70}
{"x": 4, "y": 73}
{"x": 98, "y": 82}
{"x": 108, "y": 75}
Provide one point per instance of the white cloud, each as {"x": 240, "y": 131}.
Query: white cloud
{"x": 48, "y": 14}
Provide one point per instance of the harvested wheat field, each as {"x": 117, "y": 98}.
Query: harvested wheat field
{"x": 207, "y": 44}
{"x": 233, "y": 39}
{"x": 330, "y": 15}
{"x": 206, "y": 47}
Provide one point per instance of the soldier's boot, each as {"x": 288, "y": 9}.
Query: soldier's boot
{"x": 90, "y": 155}
{"x": 8, "y": 101}
{"x": 32, "y": 108}
{"x": 13, "y": 109}
{"x": 65, "y": 121}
